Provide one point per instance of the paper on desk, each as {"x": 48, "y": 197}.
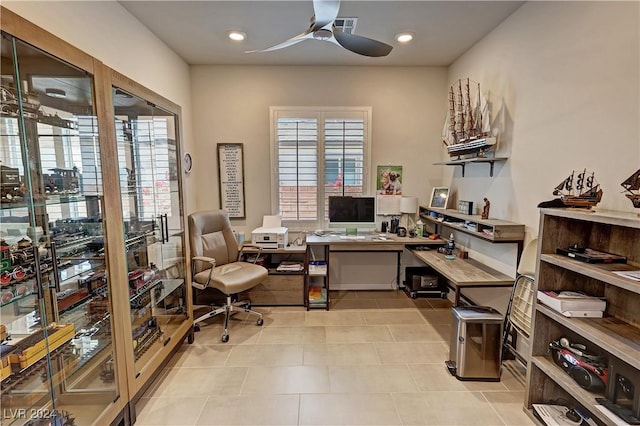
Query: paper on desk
{"x": 274, "y": 221}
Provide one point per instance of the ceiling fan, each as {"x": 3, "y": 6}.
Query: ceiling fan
{"x": 323, "y": 28}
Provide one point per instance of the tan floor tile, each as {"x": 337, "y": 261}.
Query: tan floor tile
{"x": 397, "y": 303}
{"x": 240, "y": 332}
{"x": 371, "y": 379}
{"x": 181, "y": 382}
{"x": 416, "y": 333}
{"x": 200, "y": 356}
{"x": 348, "y": 409}
{"x": 320, "y": 318}
{"x": 169, "y": 411}
{"x": 513, "y": 375}
{"x": 368, "y": 333}
{"x": 446, "y": 408}
{"x": 287, "y": 380}
{"x": 337, "y": 354}
{"x": 265, "y": 355}
{"x": 379, "y": 294}
{"x": 440, "y": 303}
{"x": 354, "y": 304}
{"x": 393, "y": 317}
{"x": 343, "y": 294}
{"x": 250, "y": 410}
{"x": 437, "y": 316}
{"x": 509, "y": 406}
{"x": 292, "y": 335}
{"x": 412, "y": 353}
{"x": 284, "y": 319}
{"x": 434, "y": 377}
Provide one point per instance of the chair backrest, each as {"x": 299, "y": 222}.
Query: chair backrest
{"x": 210, "y": 235}
{"x": 527, "y": 264}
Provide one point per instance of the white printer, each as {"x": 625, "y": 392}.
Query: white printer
{"x": 271, "y": 235}
{"x": 270, "y": 238}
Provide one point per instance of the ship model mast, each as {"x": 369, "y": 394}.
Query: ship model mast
{"x": 467, "y": 129}
{"x": 632, "y": 187}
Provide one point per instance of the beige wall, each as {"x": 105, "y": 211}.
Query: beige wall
{"x": 111, "y": 34}
{"x": 564, "y": 81}
{"x": 231, "y": 104}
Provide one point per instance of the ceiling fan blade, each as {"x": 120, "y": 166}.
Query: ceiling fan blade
{"x": 293, "y": 40}
{"x": 362, "y": 45}
{"x": 325, "y": 12}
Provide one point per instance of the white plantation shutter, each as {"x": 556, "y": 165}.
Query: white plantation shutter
{"x": 317, "y": 153}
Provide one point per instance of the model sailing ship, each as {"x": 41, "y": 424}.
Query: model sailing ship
{"x": 632, "y": 186}
{"x": 467, "y": 129}
{"x": 579, "y": 191}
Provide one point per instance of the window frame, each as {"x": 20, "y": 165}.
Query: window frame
{"x": 320, "y": 114}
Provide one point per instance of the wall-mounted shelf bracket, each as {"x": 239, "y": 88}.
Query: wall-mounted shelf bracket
{"x": 462, "y": 163}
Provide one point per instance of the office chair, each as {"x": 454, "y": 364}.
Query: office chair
{"x": 215, "y": 264}
{"x": 517, "y": 322}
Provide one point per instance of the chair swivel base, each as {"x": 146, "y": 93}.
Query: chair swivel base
{"x": 229, "y": 308}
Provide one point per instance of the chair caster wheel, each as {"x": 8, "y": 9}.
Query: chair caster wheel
{"x": 260, "y": 322}
{"x": 191, "y": 338}
{"x": 414, "y": 296}
{"x": 196, "y": 328}
{"x": 225, "y": 338}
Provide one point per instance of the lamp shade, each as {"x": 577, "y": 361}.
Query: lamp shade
{"x": 409, "y": 205}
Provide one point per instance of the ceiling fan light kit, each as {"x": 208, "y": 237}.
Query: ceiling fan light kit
{"x": 323, "y": 28}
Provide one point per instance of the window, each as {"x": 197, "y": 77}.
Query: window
{"x": 317, "y": 153}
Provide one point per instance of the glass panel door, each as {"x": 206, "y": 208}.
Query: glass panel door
{"x": 57, "y": 352}
{"x": 147, "y": 153}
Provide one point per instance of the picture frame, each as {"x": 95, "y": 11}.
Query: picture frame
{"x": 231, "y": 179}
{"x": 439, "y": 198}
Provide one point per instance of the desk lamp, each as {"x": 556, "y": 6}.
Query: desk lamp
{"x": 408, "y": 207}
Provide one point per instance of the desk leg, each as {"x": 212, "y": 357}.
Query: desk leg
{"x": 456, "y": 299}
{"x": 398, "y": 267}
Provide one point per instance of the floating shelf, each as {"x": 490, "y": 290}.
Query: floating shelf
{"x": 463, "y": 162}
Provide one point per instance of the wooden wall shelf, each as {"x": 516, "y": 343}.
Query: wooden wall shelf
{"x": 463, "y": 162}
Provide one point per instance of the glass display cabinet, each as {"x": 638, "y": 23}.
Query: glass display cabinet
{"x": 57, "y": 354}
{"x": 93, "y": 295}
{"x": 148, "y": 151}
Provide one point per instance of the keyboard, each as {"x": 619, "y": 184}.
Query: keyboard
{"x": 352, "y": 237}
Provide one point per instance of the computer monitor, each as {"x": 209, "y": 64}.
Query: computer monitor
{"x": 352, "y": 213}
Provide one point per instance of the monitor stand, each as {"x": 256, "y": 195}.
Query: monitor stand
{"x": 351, "y": 231}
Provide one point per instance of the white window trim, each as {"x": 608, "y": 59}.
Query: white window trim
{"x": 315, "y": 112}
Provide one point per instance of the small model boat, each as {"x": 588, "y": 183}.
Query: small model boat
{"x": 632, "y": 186}
{"x": 467, "y": 129}
{"x": 585, "y": 194}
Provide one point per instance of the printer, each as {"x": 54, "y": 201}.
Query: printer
{"x": 270, "y": 238}
{"x": 271, "y": 235}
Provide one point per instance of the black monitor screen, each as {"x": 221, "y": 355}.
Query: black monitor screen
{"x": 352, "y": 209}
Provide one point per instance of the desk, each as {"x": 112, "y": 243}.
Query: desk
{"x": 371, "y": 243}
{"x": 464, "y": 272}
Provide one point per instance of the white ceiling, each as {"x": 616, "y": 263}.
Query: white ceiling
{"x": 197, "y": 30}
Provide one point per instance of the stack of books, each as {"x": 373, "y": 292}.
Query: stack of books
{"x": 287, "y": 266}
{"x": 573, "y": 303}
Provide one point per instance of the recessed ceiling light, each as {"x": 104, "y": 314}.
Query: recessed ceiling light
{"x": 236, "y": 35}
{"x": 404, "y": 37}
{"x": 55, "y": 93}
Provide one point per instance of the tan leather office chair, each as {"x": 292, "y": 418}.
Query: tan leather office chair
{"x": 215, "y": 264}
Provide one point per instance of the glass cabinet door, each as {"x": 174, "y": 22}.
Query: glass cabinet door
{"x": 147, "y": 148}
{"x": 57, "y": 355}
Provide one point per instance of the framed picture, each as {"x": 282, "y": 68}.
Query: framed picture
{"x": 439, "y": 198}
{"x": 231, "y": 178}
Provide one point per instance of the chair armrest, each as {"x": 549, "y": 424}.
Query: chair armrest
{"x": 204, "y": 259}
{"x": 253, "y": 246}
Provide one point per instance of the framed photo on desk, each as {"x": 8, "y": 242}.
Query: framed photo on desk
{"x": 439, "y": 198}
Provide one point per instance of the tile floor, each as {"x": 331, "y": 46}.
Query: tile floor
{"x": 376, "y": 358}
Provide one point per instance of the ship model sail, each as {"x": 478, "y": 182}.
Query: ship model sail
{"x": 579, "y": 190}
{"x": 467, "y": 129}
{"x": 632, "y": 186}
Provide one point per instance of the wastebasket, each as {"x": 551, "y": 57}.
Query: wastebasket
{"x": 474, "y": 349}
